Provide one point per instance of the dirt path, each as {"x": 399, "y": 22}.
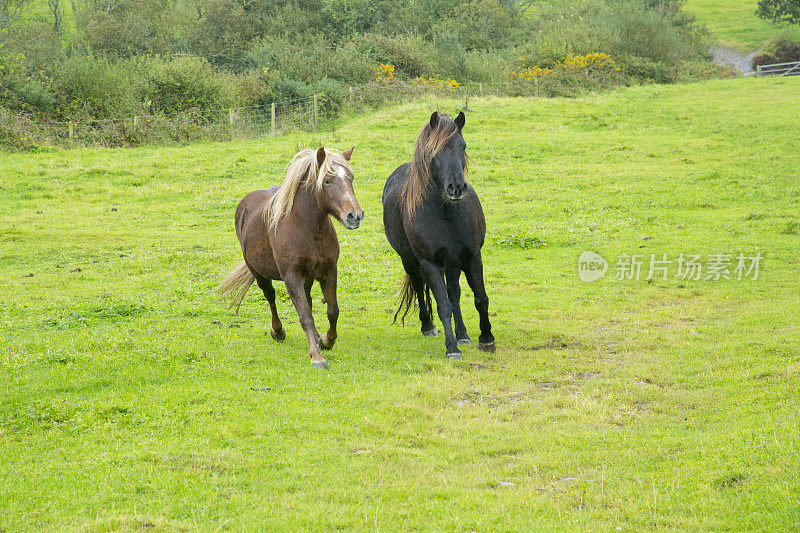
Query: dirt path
{"x": 728, "y": 57}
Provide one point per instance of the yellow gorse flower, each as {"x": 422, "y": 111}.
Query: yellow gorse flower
{"x": 383, "y": 72}
{"x": 595, "y": 62}
{"x": 438, "y": 83}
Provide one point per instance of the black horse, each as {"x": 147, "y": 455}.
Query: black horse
{"x": 434, "y": 220}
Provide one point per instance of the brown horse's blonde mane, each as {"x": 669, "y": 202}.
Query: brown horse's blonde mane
{"x": 429, "y": 143}
{"x": 303, "y": 164}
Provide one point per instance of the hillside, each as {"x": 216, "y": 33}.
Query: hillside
{"x": 735, "y": 24}
{"x": 133, "y": 399}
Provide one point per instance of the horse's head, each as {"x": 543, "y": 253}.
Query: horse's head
{"x": 448, "y": 163}
{"x": 335, "y": 194}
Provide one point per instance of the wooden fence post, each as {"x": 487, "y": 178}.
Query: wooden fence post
{"x": 314, "y": 116}
{"x": 758, "y": 71}
{"x": 70, "y": 131}
{"x": 273, "y": 118}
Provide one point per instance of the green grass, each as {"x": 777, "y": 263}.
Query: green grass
{"x": 127, "y": 400}
{"x": 734, "y": 23}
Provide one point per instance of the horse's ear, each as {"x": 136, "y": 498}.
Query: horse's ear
{"x": 320, "y": 156}
{"x": 460, "y": 120}
{"x": 434, "y": 120}
{"x": 348, "y": 153}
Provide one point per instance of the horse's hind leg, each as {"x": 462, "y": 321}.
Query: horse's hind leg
{"x": 418, "y": 284}
{"x": 475, "y": 279}
{"x": 307, "y": 288}
{"x": 453, "y": 274}
{"x": 276, "y": 331}
{"x": 328, "y": 286}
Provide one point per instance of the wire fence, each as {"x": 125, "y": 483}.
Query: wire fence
{"x": 231, "y": 123}
{"x": 279, "y": 118}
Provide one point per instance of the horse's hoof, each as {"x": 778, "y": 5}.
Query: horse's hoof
{"x": 322, "y": 365}
{"x": 464, "y": 342}
{"x": 430, "y": 332}
{"x": 455, "y": 356}
{"x": 322, "y": 342}
{"x": 486, "y": 346}
{"x": 278, "y": 335}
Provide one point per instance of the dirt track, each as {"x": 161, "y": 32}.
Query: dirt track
{"x": 730, "y": 57}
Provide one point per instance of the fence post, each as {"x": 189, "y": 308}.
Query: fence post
{"x": 314, "y": 116}
{"x": 273, "y": 119}
{"x": 70, "y": 131}
{"x": 758, "y": 71}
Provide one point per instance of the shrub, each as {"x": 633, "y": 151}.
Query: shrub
{"x": 254, "y": 88}
{"x": 289, "y": 89}
{"x": 483, "y": 24}
{"x": 185, "y": 83}
{"x": 332, "y": 94}
{"x": 86, "y": 87}
{"x": 783, "y": 49}
{"x": 18, "y": 132}
{"x": 573, "y": 74}
{"x": 30, "y": 95}
{"x": 383, "y": 72}
{"x": 644, "y": 70}
{"x": 631, "y": 28}
{"x": 309, "y": 58}
{"x": 449, "y": 55}
{"x": 38, "y": 43}
{"x": 435, "y": 82}
{"x": 485, "y": 66}
{"x": 410, "y": 54}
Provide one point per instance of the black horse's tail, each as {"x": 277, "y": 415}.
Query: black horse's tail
{"x": 408, "y": 297}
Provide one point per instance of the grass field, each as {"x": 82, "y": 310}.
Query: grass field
{"x": 734, "y": 23}
{"x": 127, "y": 397}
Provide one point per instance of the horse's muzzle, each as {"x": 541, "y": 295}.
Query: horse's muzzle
{"x": 353, "y": 220}
{"x": 455, "y": 193}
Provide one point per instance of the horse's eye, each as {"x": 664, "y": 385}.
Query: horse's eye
{"x": 465, "y": 148}
{"x": 327, "y": 182}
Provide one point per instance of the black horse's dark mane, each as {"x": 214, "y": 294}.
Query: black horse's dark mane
{"x": 429, "y": 143}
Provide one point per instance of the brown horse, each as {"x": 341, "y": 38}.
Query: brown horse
{"x": 286, "y": 234}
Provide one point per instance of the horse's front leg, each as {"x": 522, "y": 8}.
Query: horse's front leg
{"x": 475, "y": 279}
{"x": 295, "y": 286}
{"x": 328, "y": 286}
{"x": 453, "y": 275}
{"x": 434, "y": 277}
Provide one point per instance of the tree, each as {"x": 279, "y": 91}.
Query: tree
{"x": 9, "y": 11}
{"x": 58, "y": 14}
{"x": 779, "y": 10}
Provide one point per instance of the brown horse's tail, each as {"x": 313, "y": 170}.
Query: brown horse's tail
{"x": 408, "y": 297}
{"x": 236, "y": 284}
